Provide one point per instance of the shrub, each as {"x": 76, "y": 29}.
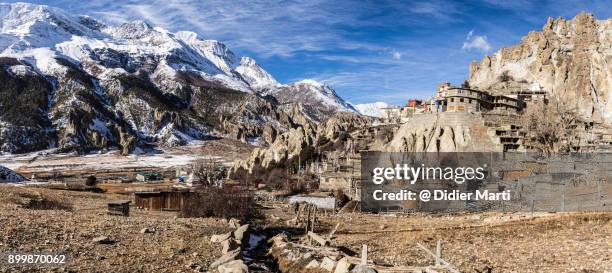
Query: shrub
{"x": 341, "y": 198}
{"x": 505, "y": 77}
{"x": 219, "y": 202}
{"x": 208, "y": 172}
{"x": 45, "y": 203}
{"x": 91, "y": 181}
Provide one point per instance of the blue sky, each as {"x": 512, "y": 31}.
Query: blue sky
{"x": 367, "y": 50}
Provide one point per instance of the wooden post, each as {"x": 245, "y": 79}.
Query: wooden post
{"x": 446, "y": 264}
{"x": 364, "y": 255}
{"x": 438, "y": 252}
{"x": 314, "y": 218}
{"x": 299, "y": 214}
{"x": 331, "y": 234}
{"x": 317, "y": 238}
{"x": 563, "y": 199}
{"x": 307, "y": 227}
{"x": 599, "y": 196}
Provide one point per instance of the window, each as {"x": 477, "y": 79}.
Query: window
{"x": 452, "y": 99}
{"x": 470, "y": 100}
{"x": 461, "y": 100}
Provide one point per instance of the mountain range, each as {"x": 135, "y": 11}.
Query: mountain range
{"x": 74, "y": 83}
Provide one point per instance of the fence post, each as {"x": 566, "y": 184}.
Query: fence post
{"x": 364, "y": 255}
{"x": 563, "y": 199}
{"x": 307, "y": 227}
{"x": 314, "y": 218}
{"x": 599, "y": 196}
{"x": 438, "y": 252}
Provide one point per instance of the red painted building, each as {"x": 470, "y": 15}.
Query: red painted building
{"x": 414, "y": 103}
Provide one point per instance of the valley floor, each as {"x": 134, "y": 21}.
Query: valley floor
{"x": 564, "y": 242}
{"x": 545, "y": 242}
{"x": 173, "y": 244}
{"x": 110, "y": 165}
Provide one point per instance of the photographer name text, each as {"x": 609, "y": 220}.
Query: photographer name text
{"x": 441, "y": 195}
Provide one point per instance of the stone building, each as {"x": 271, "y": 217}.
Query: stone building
{"x": 472, "y": 100}
{"x": 392, "y": 114}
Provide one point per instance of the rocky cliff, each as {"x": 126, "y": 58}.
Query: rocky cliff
{"x": 570, "y": 59}
{"x": 446, "y": 132}
{"x": 303, "y": 143}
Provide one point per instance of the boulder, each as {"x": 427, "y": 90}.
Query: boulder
{"x": 227, "y": 257}
{"x": 241, "y": 234}
{"x": 343, "y": 265}
{"x": 228, "y": 245}
{"x": 235, "y": 266}
{"x": 328, "y": 264}
{"x": 146, "y": 230}
{"x": 218, "y": 238}
{"x": 278, "y": 239}
{"x": 363, "y": 269}
{"x": 234, "y": 223}
{"x": 313, "y": 264}
{"x": 103, "y": 240}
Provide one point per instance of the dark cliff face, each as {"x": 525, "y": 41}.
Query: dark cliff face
{"x": 24, "y": 106}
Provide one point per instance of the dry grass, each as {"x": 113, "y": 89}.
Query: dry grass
{"x": 48, "y": 204}
{"x": 506, "y": 243}
{"x": 175, "y": 245}
{"x": 216, "y": 202}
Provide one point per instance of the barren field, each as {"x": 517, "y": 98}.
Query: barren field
{"x": 69, "y": 221}
{"x": 172, "y": 245}
{"x": 568, "y": 242}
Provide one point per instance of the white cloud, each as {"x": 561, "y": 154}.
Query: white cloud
{"x": 396, "y": 55}
{"x": 518, "y": 5}
{"x": 364, "y": 69}
{"x": 476, "y": 42}
{"x": 271, "y": 28}
{"x": 391, "y": 82}
{"x": 445, "y": 11}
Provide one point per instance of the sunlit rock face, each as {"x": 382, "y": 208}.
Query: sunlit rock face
{"x": 570, "y": 59}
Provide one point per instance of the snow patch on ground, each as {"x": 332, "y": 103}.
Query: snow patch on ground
{"x": 47, "y": 161}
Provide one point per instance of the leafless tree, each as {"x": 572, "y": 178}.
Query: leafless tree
{"x": 505, "y": 77}
{"x": 208, "y": 172}
{"x": 551, "y": 127}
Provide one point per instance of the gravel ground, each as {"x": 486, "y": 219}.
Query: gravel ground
{"x": 174, "y": 245}
{"x": 569, "y": 242}
{"x": 545, "y": 242}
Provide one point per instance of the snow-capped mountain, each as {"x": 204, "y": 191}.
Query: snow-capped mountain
{"x": 372, "y": 109}
{"x": 73, "y": 82}
{"x": 314, "y": 95}
{"x": 38, "y": 34}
